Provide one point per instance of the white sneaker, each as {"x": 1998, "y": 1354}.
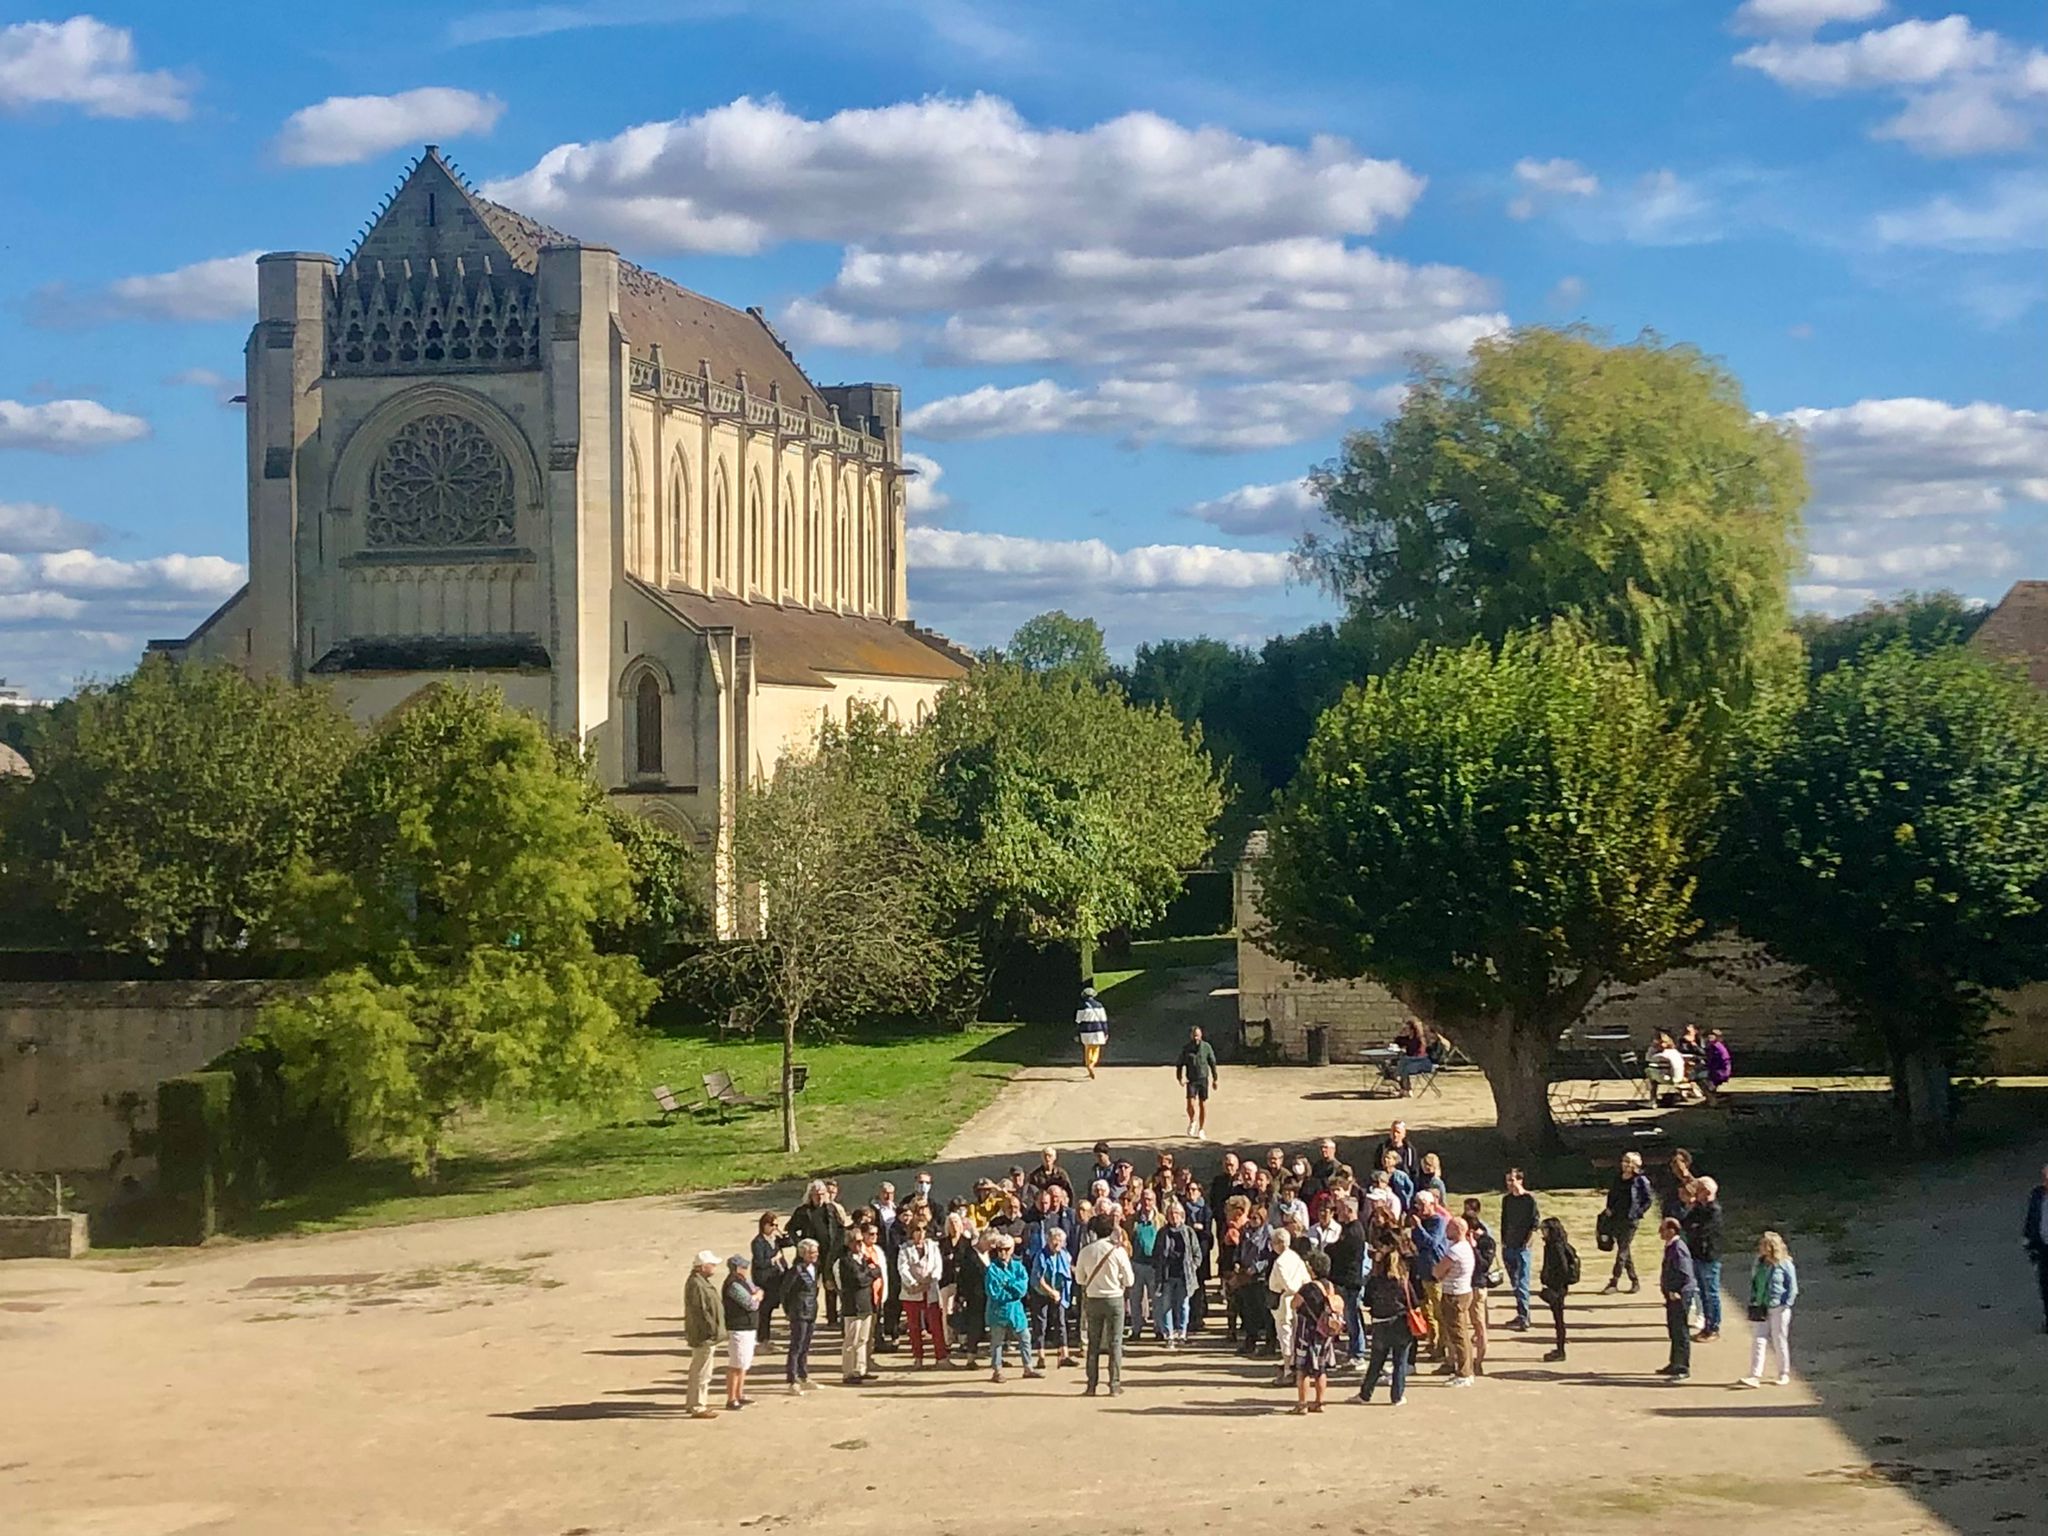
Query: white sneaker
{"x": 1750, "y": 1381}
{"x": 1201, "y": 1133}
{"x": 1461, "y": 1381}
{"x": 1191, "y": 1127}
{"x": 1785, "y": 1380}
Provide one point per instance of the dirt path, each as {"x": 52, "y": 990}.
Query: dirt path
{"x": 522, "y": 1374}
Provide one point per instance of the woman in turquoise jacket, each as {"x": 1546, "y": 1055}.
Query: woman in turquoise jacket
{"x": 1006, "y": 1282}
{"x": 1773, "y": 1288}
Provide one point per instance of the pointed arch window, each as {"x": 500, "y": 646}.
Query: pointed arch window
{"x": 680, "y": 552}
{"x": 721, "y": 520}
{"x": 757, "y": 538}
{"x": 647, "y": 726}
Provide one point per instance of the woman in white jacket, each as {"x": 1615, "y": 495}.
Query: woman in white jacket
{"x": 918, "y": 1267}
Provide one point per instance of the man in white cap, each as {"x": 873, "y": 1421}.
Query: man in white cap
{"x": 703, "y": 1330}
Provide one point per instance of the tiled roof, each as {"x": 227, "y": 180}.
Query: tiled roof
{"x": 799, "y": 647}
{"x": 656, "y": 312}
{"x": 2017, "y": 629}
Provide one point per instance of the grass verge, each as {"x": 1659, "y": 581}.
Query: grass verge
{"x": 870, "y": 1103}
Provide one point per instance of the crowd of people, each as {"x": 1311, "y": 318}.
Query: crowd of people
{"x": 1293, "y": 1258}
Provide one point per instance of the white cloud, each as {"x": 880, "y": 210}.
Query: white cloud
{"x": 70, "y": 613}
{"x": 1802, "y": 16}
{"x": 220, "y": 288}
{"x": 1238, "y": 418}
{"x": 949, "y": 174}
{"x": 1567, "y": 293}
{"x": 811, "y": 323}
{"x": 922, "y": 498}
{"x": 1309, "y": 308}
{"x": 1962, "y": 90}
{"x": 1002, "y": 565}
{"x": 28, "y": 527}
{"x": 1546, "y": 181}
{"x": 84, "y": 63}
{"x": 81, "y": 570}
{"x": 1916, "y": 493}
{"x": 1907, "y": 53}
{"x": 1656, "y": 208}
{"x": 1909, "y": 458}
{"x": 66, "y": 426}
{"x": 2011, "y": 216}
{"x": 1283, "y": 509}
{"x": 345, "y": 129}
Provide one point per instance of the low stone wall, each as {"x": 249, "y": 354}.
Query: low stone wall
{"x": 1736, "y": 988}
{"x": 80, "y": 1061}
{"x": 43, "y": 1237}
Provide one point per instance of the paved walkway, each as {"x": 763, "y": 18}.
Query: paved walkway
{"x": 521, "y": 1374}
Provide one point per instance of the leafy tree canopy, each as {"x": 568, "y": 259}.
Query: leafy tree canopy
{"x": 1491, "y": 835}
{"x": 455, "y": 889}
{"x": 1058, "y": 642}
{"x": 167, "y": 808}
{"x": 1923, "y": 621}
{"x": 1893, "y": 840}
{"x": 1627, "y": 487}
{"x": 1061, "y": 809}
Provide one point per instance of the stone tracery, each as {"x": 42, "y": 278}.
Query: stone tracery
{"x": 440, "y": 481}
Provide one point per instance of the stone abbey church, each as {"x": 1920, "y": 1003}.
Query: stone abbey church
{"x": 483, "y": 451}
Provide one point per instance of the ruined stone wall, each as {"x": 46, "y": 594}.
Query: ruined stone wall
{"x": 80, "y": 1062}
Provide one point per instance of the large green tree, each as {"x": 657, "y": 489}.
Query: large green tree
{"x": 1892, "y": 840}
{"x": 1056, "y": 641}
{"x": 1491, "y": 834}
{"x": 1059, "y": 809}
{"x": 167, "y": 807}
{"x": 1627, "y": 487}
{"x": 1922, "y": 621}
{"x": 454, "y": 895}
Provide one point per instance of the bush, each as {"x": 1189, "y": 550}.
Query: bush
{"x": 235, "y": 1135}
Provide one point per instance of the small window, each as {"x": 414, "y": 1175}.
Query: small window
{"x": 647, "y": 726}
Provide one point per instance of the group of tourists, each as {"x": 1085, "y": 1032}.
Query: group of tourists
{"x": 1295, "y": 1258}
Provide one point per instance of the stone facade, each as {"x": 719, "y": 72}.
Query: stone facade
{"x": 80, "y": 1062}
{"x": 1734, "y": 987}
{"x": 480, "y": 451}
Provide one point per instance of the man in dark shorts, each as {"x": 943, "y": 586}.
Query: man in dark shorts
{"x": 1196, "y": 1069}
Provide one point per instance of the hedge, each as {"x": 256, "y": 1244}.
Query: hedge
{"x": 235, "y": 1135}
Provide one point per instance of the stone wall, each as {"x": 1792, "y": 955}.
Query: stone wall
{"x": 1735, "y": 988}
{"x": 80, "y": 1061}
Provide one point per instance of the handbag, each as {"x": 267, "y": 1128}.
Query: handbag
{"x": 1603, "y": 1232}
{"x": 1758, "y": 1312}
{"x": 1418, "y": 1320}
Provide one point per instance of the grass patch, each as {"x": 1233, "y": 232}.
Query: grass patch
{"x": 874, "y": 1103}
{"x": 1152, "y": 965}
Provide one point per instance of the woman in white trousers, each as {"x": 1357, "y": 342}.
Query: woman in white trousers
{"x": 1773, "y": 1288}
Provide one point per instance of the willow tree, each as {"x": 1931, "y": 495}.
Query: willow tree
{"x": 1491, "y": 834}
{"x": 1629, "y": 488}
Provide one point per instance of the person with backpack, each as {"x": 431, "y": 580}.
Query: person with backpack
{"x": 1318, "y": 1330}
{"x": 1091, "y": 1023}
{"x": 1559, "y": 1274}
{"x": 1629, "y": 1199}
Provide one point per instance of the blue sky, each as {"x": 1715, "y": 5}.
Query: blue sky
{"x": 1136, "y": 266}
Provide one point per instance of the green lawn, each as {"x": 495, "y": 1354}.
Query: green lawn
{"x": 1149, "y": 970}
{"x": 873, "y": 1102}
{"x": 869, "y": 1104}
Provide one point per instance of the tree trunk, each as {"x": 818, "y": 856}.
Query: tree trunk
{"x": 1515, "y": 1056}
{"x": 1920, "y": 1083}
{"x": 789, "y": 1142}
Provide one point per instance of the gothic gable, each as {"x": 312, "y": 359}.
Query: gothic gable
{"x": 431, "y": 287}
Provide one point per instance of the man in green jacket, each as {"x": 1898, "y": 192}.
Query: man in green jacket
{"x": 1196, "y": 1068}
{"x": 703, "y": 1330}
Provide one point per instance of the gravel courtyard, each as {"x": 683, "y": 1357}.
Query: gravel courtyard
{"x": 523, "y": 1374}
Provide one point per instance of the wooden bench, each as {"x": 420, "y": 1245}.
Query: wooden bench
{"x": 671, "y": 1106}
{"x": 723, "y": 1093}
